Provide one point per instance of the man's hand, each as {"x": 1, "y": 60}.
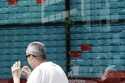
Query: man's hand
{"x": 16, "y": 71}
{"x": 26, "y": 71}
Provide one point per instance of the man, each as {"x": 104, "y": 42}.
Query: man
{"x": 43, "y": 70}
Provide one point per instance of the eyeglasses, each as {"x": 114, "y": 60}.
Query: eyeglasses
{"x": 27, "y": 56}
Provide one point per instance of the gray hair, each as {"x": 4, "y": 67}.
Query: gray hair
{"x": 36, "y": 49}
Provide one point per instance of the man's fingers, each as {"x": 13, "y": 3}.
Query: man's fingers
{"x": 26, "y": 69}
{"x": 16, "y": 66}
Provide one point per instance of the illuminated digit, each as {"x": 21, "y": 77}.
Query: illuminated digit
{"x": 12, "y": 2}
{"x": 40, "y": 1}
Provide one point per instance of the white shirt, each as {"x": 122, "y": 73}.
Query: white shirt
{"x": 47, "y": 72}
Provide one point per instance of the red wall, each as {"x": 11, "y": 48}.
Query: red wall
{"x": 86, "y": 81}
{"x": 10, "y": 81}
{"x": 99, "y": 81}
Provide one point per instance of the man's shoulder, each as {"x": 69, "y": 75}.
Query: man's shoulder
{"x": 48, "y": 66}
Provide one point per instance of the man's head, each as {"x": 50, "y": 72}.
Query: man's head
{"x": 35, "y": 53}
